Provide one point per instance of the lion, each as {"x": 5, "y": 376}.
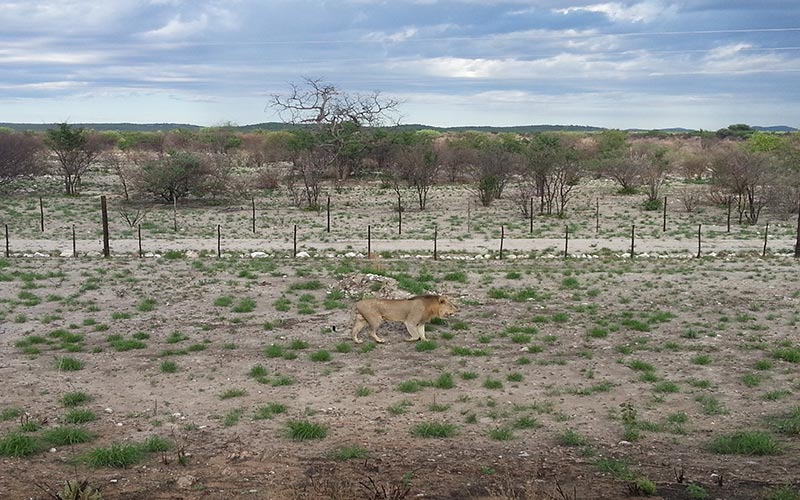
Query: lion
{"x": 414, "y": 312}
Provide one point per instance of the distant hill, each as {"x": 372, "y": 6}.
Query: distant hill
{"x": 274, "y": 126}
{"x": 776, "y": 128}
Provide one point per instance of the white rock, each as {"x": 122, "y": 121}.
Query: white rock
{"x": 258, "y": 255}
{"x": 350, "y": 255}
{"x": 108, "y": 410}
{"x": 302, "y": 255}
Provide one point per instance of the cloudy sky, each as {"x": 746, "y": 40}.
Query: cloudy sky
{"x": 625, "y": 64}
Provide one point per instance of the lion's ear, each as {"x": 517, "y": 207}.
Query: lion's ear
{"x": 442, "y": 299}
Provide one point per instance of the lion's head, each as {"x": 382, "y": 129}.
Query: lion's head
{"x": 446, "y": 307}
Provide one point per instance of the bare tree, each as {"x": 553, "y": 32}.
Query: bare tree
{"x": 76, "y": 150}
{"x": 20, "y": 156}
{"x": 337, "y": 117}
{"x": 307, "y": 172}
{"x": 417, "y": 164}
{"x": 551, "y": 171}
{"x": 745, "y": 175}
{"x": 493, "y": 168}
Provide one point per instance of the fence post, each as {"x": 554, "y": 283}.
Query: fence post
{"x": 328, "y": 212}
{"x": 435, "y": 237}
{"x": 597, "y": 216}
{"x": 253, "y": 200}
{"x": 139, "y": 237}
{"x": 8, "y": 252}
{"x": 633, "y": 239}
{"x": 766, "y": 234}
{"x": 294, "y": 255}
{"x": 174, "y": 213}
{"x": 699, "y": 242}
{"x": 797, "y": 241}
{"x": 664, "y": 229}
{"x": 531, "y": 214}
{"x": 399, "y": 215}
{"x": 369, "y": 241}
{"x": 502, "y": 237}
{"x": 104, "y": 210}
{"x": 219, "y": 241}
{"x": 566, "y": 241}
{"x": 730, "y": 202}
{"x": 41, "y": 213}
{"x": 74, "y": 244}
{"x": 469, "y": 204}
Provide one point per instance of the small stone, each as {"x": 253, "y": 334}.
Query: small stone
{"x": 302, "y": 255}
{"x": 185, "y": 482}
{"x": 108, "y": 410}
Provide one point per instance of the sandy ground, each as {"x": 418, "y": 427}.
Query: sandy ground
{"x": 735, "y": 311}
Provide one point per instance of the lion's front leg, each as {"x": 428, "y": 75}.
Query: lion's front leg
{"x": 421, "y": 330}
{"x": 413, "y": 331}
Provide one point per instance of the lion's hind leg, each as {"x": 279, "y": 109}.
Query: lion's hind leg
{"x": 358, "y": 324}
{"x": 374, "y": 323}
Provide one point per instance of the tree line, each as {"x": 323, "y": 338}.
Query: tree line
{"x": 347, "y": 137}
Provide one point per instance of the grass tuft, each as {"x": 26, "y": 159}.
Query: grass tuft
{"x": 435, "y": 430}
{"x": 303, "y": 430}
{"x": 746, "y": 443}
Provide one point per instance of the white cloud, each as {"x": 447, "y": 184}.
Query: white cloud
{"x": 395, "y": 37}
{"x": 178, "y": 28}
{"x": 643, "y": 12}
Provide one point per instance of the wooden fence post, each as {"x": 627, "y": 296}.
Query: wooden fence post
{"x": 699, "y": 242}
{"x": 294, "y": 254}
{"x": 797, "y": 241}
{"x": 369, "y": 241}
{"x": 219, "y": 241}
{"x": 104, "y": 210}
{"x": 502, "y": 237}
{"x": 41, "y": 213}
{"x": 435, "y": 237}
{"x": 566, "y": 241}
{"x": 74, "y": 244}
{"x": 633, "y": 239}
{"x": 8, "y": 247}
{"x": 730, "y": 202}
{"x": 399, "y": 215}
{"x": 328, "y": 211}
{"x": 766, "y": 234}
{"x": 597, "y": 216}
{"x": 531, "y": 214}
{"x": 253, "y": 200}
{"x": 139, "y": 237}
{"x": 664, "y": 229}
